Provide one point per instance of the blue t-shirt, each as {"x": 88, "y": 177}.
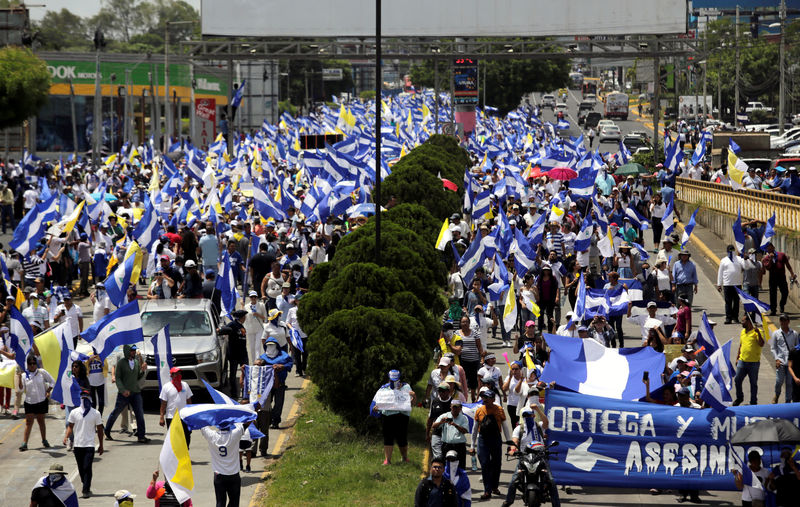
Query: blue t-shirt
{"x": 791, "y": 185}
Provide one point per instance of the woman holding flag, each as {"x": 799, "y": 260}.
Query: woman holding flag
{"x": 37, "y": 385}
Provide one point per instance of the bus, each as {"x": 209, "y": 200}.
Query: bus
{"x": 616, "y": 106}
{"x": 576, "y": 80}
{"x": 590, "y": 85}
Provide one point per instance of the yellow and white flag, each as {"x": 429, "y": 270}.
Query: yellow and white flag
{"x": 175, "y": 461}
{"x": 49, "y": 345}
{"x": 510, "y": 308}
{"x": 444, "y": 235}
{"x": 737, "y": 168}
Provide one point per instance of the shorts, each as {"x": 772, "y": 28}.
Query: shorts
{"x": 395, "y": 429}
{"x": 36, "y": 408}
{"x": 244, "y": 445}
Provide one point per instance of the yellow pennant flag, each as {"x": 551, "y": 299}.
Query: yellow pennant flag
{"x": 7, "y": 371}
{"x": 72, "y": 219}
{"x": 736, "y": 170}
{"x": 510, "y": 308}
{"x": 109, "y": 161}
{"x": 444, "y": 235}
{"x": 155, "y": 180}
{"x": 133, "y": 249}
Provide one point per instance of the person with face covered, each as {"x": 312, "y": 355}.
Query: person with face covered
{"x": 83, "y": 424}
{"x": 282, "y": 364}
{"x": 174, "y": 396}
{"x": 237, "y": 346}
{"x": 54, "y": 488}
{"x": 439, "y": 405}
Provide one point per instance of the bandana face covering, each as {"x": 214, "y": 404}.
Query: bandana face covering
{"x": 176, "y": 381}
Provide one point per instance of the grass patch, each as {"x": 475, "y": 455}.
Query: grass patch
{"x": 328, "y": 463}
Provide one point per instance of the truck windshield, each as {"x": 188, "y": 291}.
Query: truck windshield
{"x": 181, "y": 323}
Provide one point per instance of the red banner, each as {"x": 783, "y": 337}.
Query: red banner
{"x": 205, "y": 112}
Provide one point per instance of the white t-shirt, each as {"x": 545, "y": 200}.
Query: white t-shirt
{"x": 223, "y": 446}
{"x": 85, "y": 428}
{"x": 102, "y": 302}
{"x": 72, "y": 316}
{"x": 175, "y": 400}
{"x": 513, "y": 396}
{"x": 30, "y": 196}
{"x": 749, "y": 493}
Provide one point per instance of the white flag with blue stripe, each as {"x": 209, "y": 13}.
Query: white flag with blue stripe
{"x": 687, "y": 231}
{"x": 226, "y": 285}
{"x": 21, "y": 335}
{"x": 121, "y": 327}
{"x": 769, "y": 232}
{"x": 668, "y": 220}
{"x": 33, "y": 226}
{"x": 162, "y": 353}
{"x": 718, "y": 372}
{"x": 706, "y": 337}
{"x": 752, "y": 304}
{"x": 210, "y": 414}
{"x": 587, "y": 367}
{"x": 67, "y": 390}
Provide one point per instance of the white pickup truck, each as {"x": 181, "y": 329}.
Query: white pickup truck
{"x": 757, "y": 106}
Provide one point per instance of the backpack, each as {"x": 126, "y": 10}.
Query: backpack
{"x": 168, "y": 498}
{"x": 489, "y": 428}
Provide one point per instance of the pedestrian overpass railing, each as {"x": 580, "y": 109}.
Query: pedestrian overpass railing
{"x": 755, "y": 204}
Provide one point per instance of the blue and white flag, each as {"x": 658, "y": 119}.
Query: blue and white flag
{"x": 121, "y": 327}
{"x": 226, "y": 285}
{"x": 584, "y": 238}
{"x": 718, "y": 375}
{"x": 700, "y": 150}
{"x": 563, "y": 124}
{"x": 748, "y": 478}
{"x": 706, "y": 337}
{"x": 638, "y": 220}
{"x": 210, "y": 414}
{"x": 623, "y": 155}
{"x": 536, "y": 233}
{"x": 674, "y": 155}
{"x": 587, "y": 367}
{"x": 21, "y": 335}
{"x": 473, "y": 257}
{"x": 668, "y": 220}
{"x": 643, "y": 253}
{"x": 195, "y": 165}
{"x": 236, "y": 100}
{"x": 257, "y": 383}
{"x": 733, "y": 146}
{"x": 769, "y": 232}
{"x": 148, "y": 229}
{"x": 162, "y": 352}
{"x": 482, "y": 204}
{"x": 580, "y": 302}
{"x": 687, "y": 231}
{"x": 296, "y": 339}
{"x": 118, "y": 282}
{"x": 738, "y": 233}
{"x": 67, "y": 390}
{"x": 752, "y": 304}
{"x": 218, "y": 397}
{"x": 264, "y": 204}
{"x": 64, "y": 490}
{"x": 33, "y": 226}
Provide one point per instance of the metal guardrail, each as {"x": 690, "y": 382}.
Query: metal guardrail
{"x": 755, "y": 204}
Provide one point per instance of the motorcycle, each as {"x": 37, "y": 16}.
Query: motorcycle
{"x": 534, "y": 480}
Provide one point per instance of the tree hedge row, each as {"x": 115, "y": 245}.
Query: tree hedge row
{"x": 363, "y": 318}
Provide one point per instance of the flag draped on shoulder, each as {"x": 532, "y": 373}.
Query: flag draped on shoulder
{"x": 210, "y": 414}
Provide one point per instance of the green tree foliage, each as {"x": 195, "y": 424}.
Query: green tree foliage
{"x": 352, "y": 350}
{"x": 417, "y": 261}
{"x": 24, "y": 85}
{"x": 450, "y": 145}
{"x": 319, "y": 275}
{"x": 415, "y": 217}
{"x": 412, "y": 183}
{"x": 63, "y": 30}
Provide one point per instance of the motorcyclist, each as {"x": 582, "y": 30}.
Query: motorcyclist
{"x": 524, "y": 434}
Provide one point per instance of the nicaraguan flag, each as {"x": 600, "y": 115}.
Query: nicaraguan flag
{"x": 580, "y": 302}
{"x": 117, "y": 284}
{"x": 706, "y": 337}
{"x": 738, "y": 233}
{"x": 717, "y": 371}
{"x": 524, "y": 254}
{"x": 536, "y": 233}
{"x": 195, "y": 166}
{"x": 674, "y": 156}
{"x": 584, "y": 238}
{"x": 32, "y": 227}
{"x": 687, "y": 231}
{"x": 64, "y": 490}
{"x": 21, "y": 335}
{"x": 482, "y": 204}
{"x": 226, "y": 285}
{"x": 162, "y": 352}
{"x": 769, "y": 232}
{"x": 700, "y": 149}
{"x": 67, "y": 390}
{"x": 668, "y": 220}
{"x": 587, "y": 367}
{"x": 121, "y": 327}
{"x": 733, "y": 146}
{"x": 264, "y": 204}
{"x": 210, "y": 414}
{"x": 563, "y": 124}
{"x": 752, "y": 304}
{"x": 296, "y": 339}
{"x": 236, "y": 100}
{"x": 148, "y": 229}
{"x": 623, "y": 155}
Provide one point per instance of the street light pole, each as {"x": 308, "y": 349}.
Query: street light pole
{"x": 378, "y": 121}
{"x": 738, "y": 67}
{"x": 167, "y": 109}
{"x": 782, "y": 99}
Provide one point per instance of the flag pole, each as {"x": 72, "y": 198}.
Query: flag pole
{"x": 378, "y": 112}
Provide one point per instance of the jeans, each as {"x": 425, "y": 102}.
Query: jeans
{"x": 747, "y": 369}
{"x": 489, "y": 454}
{"x": 227, "y": 487}
{"x": 277, "y": 396}
{"x": 84, "y": 457}
{"x": 775, "y": 283}
{"x": 616, "y": 324}
{"x": 135, "y": 401}
{"x": 782, "y": 376}
{"x": 731, "y": 303}
{"x": 7, "y": 212}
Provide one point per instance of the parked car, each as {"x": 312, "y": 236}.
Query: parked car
{"x": 610, "y": 133}
{"x": 196, "y": 348}
{"x": 757, "y": 106}
{"x": 584, "y": 109}
{"x": 758, "y": 163}
{"x": 636, "y": 143}
{"x": 602, "y": 123}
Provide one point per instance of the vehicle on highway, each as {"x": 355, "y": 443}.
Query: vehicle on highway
{"x": 575, "y": 80}
{"x": 779, "y": 142}
{"x": 590, "y": 97}
{"x": 758, "y": 163}
{"x": 584, "y": 108}
{"x": 786, "y": 160}
{"x": 196, "y": 348}
{"x": 592, "y": 119}
{"x": 610, "y": 133}
{"x": 757, "y": 106}
{"x": 636, "y": 143}
{"x": 549, "y": 100}
{"x": 562, "y": 107}
{"x": 590, "y": 85}
{"x": 616, "y": 106}
{"x": 603, "y": 123}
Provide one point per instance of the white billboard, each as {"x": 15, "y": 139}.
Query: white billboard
{"x": 441, "y": 18}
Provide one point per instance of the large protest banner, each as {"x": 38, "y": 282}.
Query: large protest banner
{"x": 627, "y": 444}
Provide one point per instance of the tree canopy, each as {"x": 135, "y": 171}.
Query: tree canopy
{"x": 24, "y": 85}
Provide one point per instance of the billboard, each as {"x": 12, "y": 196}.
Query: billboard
{"x": 465, "y": 81}
{"x": 441, "y": 18}
{"x": 205, "y": 124}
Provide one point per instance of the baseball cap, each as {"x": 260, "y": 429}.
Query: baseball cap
{"x": 190, "y": 264}
{"x": 252, "y": 293}
{"x": 444, "y": 361}
{"x": 530, "y": 323}
{"x": 485, "y": 391}
{"x": 174, "y": 369}
{"x": 443, "y": 385}
{"x": 651, "y": 304}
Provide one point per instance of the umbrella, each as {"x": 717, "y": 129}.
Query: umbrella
{"x": 768, "y": 431}
{"x": 537, "y": 172}
{"x": 562, "y": 173}
{"x": 631, "y": 168}
{"x": 108, "y": 197}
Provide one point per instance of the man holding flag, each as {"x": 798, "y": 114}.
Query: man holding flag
{"x": 748, "y": 360}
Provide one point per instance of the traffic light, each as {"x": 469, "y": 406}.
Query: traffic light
{"x": 754, "y": 26}
{"x": 99, "y": 40}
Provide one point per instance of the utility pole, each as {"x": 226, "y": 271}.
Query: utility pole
{"x": 705, "y": 71}
{"x": 378, "y": 121}
{"x": 97, "y": 134}
{"x": 192, "y": 117}
{"x": 436, "y": 94}
{"x": 656, "y": 104}
{"x": 738, "y": 68}
{"x": 112, "y": 148}
{"x": 782, "y": 99}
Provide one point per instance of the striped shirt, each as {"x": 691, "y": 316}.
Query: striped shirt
{"x": 469, "y": 344}
{"x": 33, "y": 266}
{"x": 555, "y": 240}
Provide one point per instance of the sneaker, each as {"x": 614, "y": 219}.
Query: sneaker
{"x": 247, "y": 469}
{"x": 386, "y": 462}
{"x": 86, "y": 494}
{"x": 70, "y": 443}
{"x": 143, "y": 440}
{"x": 23, "y": 447}
{"x": 46, "y": 444}
{"x": 108, "y": 434}
{"x": 775, "y": 399}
